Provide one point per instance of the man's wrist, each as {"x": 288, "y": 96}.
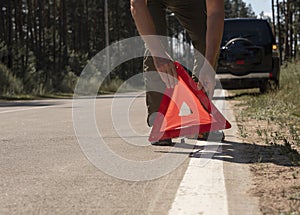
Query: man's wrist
{"x": 211, "y": 61}
{"x": 209, "y": 65}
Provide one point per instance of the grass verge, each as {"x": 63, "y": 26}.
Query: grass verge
{"x": 277, "y": 113}
{"x": 270, "y": 124}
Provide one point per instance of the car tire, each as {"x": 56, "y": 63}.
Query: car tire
{"x": 269, "y": 86}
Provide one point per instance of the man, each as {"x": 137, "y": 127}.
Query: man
{"x": 202, "y": 19}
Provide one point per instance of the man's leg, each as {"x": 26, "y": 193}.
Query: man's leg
{"x": 155, "y": 87}
{"x": 192, "y": 16}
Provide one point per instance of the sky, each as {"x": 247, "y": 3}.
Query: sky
{"x": 260, "y": 5}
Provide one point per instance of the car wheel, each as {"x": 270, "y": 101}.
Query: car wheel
{"x": 270, "y": 85}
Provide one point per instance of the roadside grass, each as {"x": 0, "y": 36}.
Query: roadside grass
{"x": 13, "y": 88}
{"x": 277, "y": 113}
{"x": 270, "y": 122}
{"x": 106, "y": 88}
{"x": 110, "y": 87}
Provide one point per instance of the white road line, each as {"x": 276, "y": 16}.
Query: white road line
{"x": 27, "y": 109}
{"x": 203, "y": 190}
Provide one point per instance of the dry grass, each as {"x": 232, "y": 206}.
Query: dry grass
{"x": 270, "y": 124}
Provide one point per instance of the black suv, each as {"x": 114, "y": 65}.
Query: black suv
{"x": 248, "y": 56}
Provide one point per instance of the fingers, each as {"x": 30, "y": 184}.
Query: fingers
{"x": 172, "y": 75}
{"x": 167, "y": 71}
{"x": 165, "y": 79}
{"x": 199, "y": 85}
{"x": 210, "y": 92}
{"x": 169, "y": 80}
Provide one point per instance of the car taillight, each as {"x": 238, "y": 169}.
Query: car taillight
{"x": 270, "y": 75}
{"x": 240, "y": 62}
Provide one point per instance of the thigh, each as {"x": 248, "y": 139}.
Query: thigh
{"x": 192, "y": 16}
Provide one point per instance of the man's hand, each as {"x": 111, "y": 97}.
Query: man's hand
{"x": 207, "y": 80}
{"x": 167, "y": 71}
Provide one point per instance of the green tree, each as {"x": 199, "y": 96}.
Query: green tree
{"x": 238, "y": 8}
{"x": 45, "y": 44}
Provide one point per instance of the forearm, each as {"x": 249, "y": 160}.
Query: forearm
{"x": 145, "y": 26}
{"x": 214, "y": 32}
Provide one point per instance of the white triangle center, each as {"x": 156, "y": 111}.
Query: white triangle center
{"x": 185, "y": 110}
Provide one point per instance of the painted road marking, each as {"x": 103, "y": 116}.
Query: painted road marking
{"x": 203, "y": 190}
{"x": 26, "y": 109}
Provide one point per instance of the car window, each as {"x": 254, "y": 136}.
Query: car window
{"x": 256, "y": 31}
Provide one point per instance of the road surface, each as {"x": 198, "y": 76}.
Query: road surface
{"x": 45, "y": 168}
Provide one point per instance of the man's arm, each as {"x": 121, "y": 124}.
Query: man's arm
{"x": 214, "y": 32}
{"x": 215, "y": 25}
{"x": 145, "y": 26}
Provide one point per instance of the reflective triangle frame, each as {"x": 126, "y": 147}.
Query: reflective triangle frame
{"x": 217, "y": 120}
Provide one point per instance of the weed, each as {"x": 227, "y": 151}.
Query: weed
{"x": 259, "y": 159}
{"x": 243, "y": 132}
{"x": 112, "y": 86}
{"x": 295, "y": 197}
{"x": 295, "y": 175}
{"x": 296, "y": 187}
{"x": 10, "y": 85}
{"x": 259, "y": 132}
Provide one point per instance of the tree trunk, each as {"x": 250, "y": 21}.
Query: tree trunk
{"x": 2, "y": 23}
{"x": 65, "y": 33}
{"x": 286, "y": 29}
{"x": 290, "y": 14}
{"x": 40, "y": 33}
{"x": 279, "y": 31}
{"x": 273, "y": 18}
{"x": 10, "y": 35}
{"x": 54, "y": 36}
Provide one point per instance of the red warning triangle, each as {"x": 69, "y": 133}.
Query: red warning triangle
{"x": 200, "y": 114}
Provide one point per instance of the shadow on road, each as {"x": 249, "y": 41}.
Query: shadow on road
{"x": 246, "y": 153}
{"x": 282, "y": 155}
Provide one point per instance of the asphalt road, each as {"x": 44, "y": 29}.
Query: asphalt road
{"x": 45, "y": 168}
